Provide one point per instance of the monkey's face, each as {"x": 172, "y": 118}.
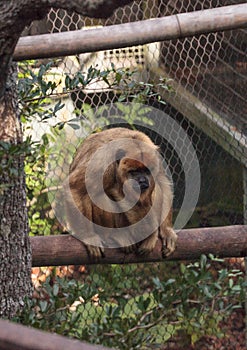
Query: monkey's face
{"x": 142, "y": 179}
{"x": 136, "y": 174}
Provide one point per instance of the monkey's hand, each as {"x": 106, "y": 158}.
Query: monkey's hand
{"x": 169, "y": 239}
{"x": 95, "y": 253}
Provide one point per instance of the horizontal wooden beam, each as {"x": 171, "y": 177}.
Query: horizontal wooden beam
{"x": 18, "y": 337}
{"x": 131, "y": 34}
{"x": 228, "y": 241}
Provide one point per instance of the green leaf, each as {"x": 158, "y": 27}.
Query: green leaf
{"x": 58, "y": 106}
{"x": 43, "y": 305}
{"x": 74, "y": 126}
{"x": 203, "y": 261}
{"x": 55, "y": 289}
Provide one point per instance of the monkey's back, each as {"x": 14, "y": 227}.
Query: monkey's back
{"x": 90, "y": 145}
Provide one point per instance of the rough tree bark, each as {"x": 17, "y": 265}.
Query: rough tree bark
{"x": 15, "y": 254}
{"x": 15, "y": 249}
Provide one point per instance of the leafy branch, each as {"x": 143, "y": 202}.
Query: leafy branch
{"x": 38, "y": 88}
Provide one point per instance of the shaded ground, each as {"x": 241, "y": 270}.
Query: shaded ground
{"x": 234, "y": 330}
{"x": 233, "y": 327}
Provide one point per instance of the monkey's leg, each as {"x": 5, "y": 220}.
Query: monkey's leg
{"x": 129, "y": 249}
{"x": 147, "y": 246}
{"x": 127, "y": 244}
{"x": 139, "y": 245}
{"x": 168, "y": 236}
{"x": 80, "y": 223}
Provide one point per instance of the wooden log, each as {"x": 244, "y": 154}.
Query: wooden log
{"x": 131, "y": 34}
{"x": 18, "y": 337}
{"x": 228, "y": 241}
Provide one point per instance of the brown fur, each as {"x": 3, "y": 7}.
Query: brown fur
{"x": 132, "y": 160}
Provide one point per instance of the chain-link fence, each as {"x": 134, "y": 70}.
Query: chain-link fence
{"x": 165, "y": 306}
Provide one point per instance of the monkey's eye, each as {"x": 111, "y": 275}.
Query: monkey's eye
{"x": 133, "y": 172}
{"x": 147, "y": 171}
{"x": 144, "y": 171}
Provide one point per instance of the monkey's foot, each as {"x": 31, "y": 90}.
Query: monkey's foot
{"x": 147, "y": 246}
{"x": 169, "y": 240}
{"x": 129, "y": 249}
{"x": 95, "y": 253}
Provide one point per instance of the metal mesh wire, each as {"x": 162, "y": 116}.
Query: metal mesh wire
{"x": 211, "y": 68}
{"x": 209, "y": 102}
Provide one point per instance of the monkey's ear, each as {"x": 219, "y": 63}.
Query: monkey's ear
{"x": 120, "y": 154}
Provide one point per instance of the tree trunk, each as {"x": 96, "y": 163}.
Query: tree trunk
{"x": 15, "y": 250}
